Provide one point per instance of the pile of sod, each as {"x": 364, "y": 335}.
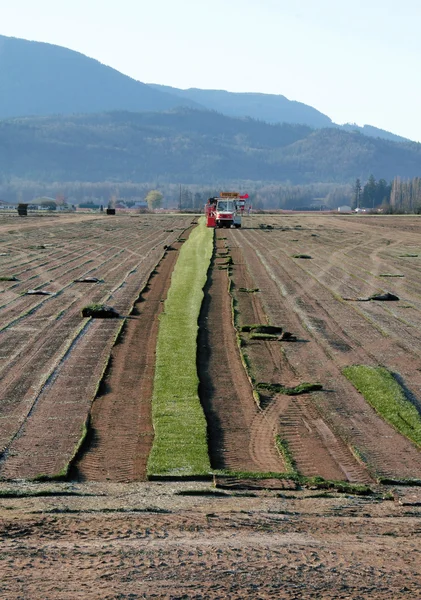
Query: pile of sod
{"x": 180, "y": 445}
{"x": 386, "y": 396}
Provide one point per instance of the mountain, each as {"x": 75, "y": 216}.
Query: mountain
{"x": 270, "y": 108}
{"x": 43, "y": 79}
{"x": 371, "y": 131}
{"x": 265, "y": 107}
{"x": 193, "y": 146}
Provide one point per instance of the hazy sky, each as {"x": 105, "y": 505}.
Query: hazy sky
{"x": 355, "y": 60}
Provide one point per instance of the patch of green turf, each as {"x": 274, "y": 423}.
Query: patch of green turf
{"x": 408, "y": 255}
{"x": 229, "y": 261}
{"x": 386, "y": 396}
{"x": 180, "y": 444}
{"x": 342, "y": 487}
{"x": 264, "y": 329}
{"x": 269, "y": 337}
{"x": 277, "y": 388}
{"x": 287, "y": 455}
{"x": 301, "y": 256}
{"x": 391, "y": 275}
{"x": 99, "y": 311}
{"x": 7, "y": 278}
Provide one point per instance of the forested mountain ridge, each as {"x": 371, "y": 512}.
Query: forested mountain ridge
{"x": 192, "y": 146}
{"x": 270, "y": 108}
{"x": 42, "y": 79}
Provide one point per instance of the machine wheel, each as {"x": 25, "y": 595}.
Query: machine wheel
{"x": 237, "y": 226}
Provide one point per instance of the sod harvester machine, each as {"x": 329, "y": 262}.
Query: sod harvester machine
{"x": 225, "y": 210}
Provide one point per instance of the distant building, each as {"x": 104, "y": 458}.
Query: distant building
{"x": 344, "y": 208}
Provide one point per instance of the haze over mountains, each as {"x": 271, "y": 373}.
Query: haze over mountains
{"x": 170, "y": 134}
{"x": 43, "y": 79}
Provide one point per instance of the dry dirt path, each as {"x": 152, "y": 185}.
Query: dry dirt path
{"x": 163, "y": 541}
{"x": 304, "y": 298}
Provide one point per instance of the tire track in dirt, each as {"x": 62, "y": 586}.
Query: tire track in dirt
{"x": 310, "y": 310}
{"x": 121, "y": 432}
{"x": 315, "y": 448}
{"x": 239, "y": 437}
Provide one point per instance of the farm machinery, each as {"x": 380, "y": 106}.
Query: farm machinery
{"x": 225, "y": 210}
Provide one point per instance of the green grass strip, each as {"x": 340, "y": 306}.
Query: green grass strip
{"x": 287, "y": 455}
{"x": 180, "y": 445}
{"x": 383, "y": 392}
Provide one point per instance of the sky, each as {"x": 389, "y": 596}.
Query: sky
{"x": 357, "y": 61}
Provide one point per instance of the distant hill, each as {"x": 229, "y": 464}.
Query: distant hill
{"x": 43, "y": 79}
{"x": 192, "y": 146}
{"x": 371, "y": 131}
{"x": 265, "y": 107}
{"x": 271, "y": 108}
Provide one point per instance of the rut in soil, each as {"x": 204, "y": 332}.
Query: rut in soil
{"x": 234, "y": 420}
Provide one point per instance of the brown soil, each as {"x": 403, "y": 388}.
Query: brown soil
{"x": 121, "y": 432}
{"x": 315, "y": 447}
{"x": 50, "y": 358}
{"x": 187, "y": 539}
{"x": 304, "y": 299}
{"x": 150, "y": 540}
{"x": 240, "y": 438}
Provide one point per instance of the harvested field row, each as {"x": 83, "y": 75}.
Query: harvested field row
{"x": 338, "y": 334}
{"x": 46, "y": 350}
{"x": 120, "y": 434}
{"x": 241, "y": 438}
{"x": 316, "y": 450}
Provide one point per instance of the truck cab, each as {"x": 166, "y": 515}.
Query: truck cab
{"x": 227, "y": 213}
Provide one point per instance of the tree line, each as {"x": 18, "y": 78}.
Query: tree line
{"x": 372, "y": 194}
{"x": 398, "y": 196}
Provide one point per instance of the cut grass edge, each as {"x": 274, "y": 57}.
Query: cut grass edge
{"x": 383, "y": 392}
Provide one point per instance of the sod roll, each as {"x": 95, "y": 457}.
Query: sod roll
{"x": 180, "y": 445}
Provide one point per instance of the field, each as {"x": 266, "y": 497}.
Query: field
{"x": 288, "y": 307}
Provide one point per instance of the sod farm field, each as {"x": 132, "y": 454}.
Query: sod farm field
{"x": 255, "y": 393}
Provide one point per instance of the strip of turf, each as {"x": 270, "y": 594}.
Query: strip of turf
{"x": 180, "y": 444}
{"x": 386, "y": 396}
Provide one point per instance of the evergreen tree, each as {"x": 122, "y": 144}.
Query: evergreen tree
{"x": 369, "y": 192}
{"x": 382, "y": 195}
{"x": 356, "y": 201}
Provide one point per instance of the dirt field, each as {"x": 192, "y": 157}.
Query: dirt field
{"x": 307, "y": 297}
{"x": 107, "y": 533}
{"x": 152, "y": 540}
{"x": 52, "y": 359}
